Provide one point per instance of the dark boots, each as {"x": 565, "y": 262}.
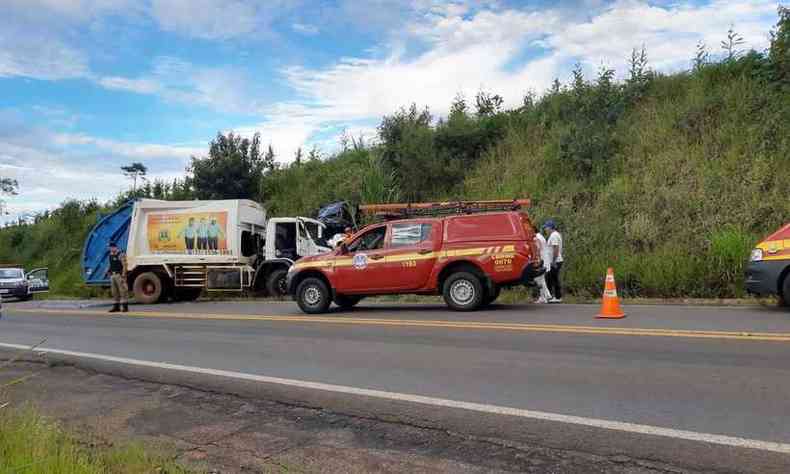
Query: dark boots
{"x": 125, "y": 307}
{"x": 115, "y": 308}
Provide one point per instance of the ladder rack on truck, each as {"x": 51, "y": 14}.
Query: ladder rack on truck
{"x": 436, "y": 209}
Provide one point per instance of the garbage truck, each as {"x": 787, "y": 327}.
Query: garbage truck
{"x": 177, "y": 249}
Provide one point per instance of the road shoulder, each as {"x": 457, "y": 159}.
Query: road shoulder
{"x": 229, "y": 433}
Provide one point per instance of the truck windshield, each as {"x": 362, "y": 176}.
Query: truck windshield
{"x": 10, "y": 273}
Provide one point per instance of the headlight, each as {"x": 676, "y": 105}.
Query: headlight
{"x": 21, "y": 283}
{"x": 757, "y": 255}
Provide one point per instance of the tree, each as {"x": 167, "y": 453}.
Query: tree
{"x": 701, "y": 57}
{"x": 731, "y": 44}
{"x": 488, "y": 104}
{"x": 232, "y": 170}
{"x": 779, "y": 53}
{"x": 134, "y": 172}
{"x": 315, "y": 154}
{"x": 8, "y": 187}
{"x": 298, "y": 156}
{"x": 269, "y": 162}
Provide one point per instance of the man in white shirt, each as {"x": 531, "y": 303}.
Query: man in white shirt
{"x": 543, "y": 251}
{"x": 555, "y": 248}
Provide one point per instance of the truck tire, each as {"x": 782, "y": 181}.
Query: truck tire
{"x": 347, "y": 302}
{"x": 313, "y": 296}
{"x": 186, "y": 294}
{"x": 492, "y": 294}
{"x": 463, "y": 291}
{"x": 148, "y": 288}
{"x": 784, "y": 298}
{"x": 276, "y": 282}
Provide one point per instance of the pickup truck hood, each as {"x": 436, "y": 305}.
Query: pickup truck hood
{"x": 11, "y": 281}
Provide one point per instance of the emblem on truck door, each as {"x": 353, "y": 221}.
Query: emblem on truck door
{"x": 360, "y": 261}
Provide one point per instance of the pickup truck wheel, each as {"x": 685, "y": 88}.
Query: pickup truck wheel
{"x": 784, "y": 298}
{"x": 312, "y": 296}
{"x": 463, "y": 291}
{"x": 492, "y": 294}
{"x": 347, "y": 302}
{"x": 276, "y": 282}
{"x": 147, "y": 288}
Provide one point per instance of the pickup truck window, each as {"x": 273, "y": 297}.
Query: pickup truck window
{"x": 370, "y": 240}
{"x": 409, "y": 234}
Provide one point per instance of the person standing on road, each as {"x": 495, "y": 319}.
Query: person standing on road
{"x": 555, "y": 249}
{"x": 545, "y": 263}
{"x": 118, "y": 284}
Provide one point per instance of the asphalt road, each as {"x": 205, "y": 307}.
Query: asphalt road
{"x": 711, "y": 370}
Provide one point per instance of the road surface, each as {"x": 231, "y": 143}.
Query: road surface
{"x": 701, "y": 387}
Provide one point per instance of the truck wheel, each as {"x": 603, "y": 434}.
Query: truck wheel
{"x": 312, "y": 296}
{"x": 276, "y": 282}
{"x": 347, "y": 302}
{"x": 492, "y": 294}
{"x": 784, "y": 298}
{"x": 463, "y": 291}
{"x": 147, "y": 288}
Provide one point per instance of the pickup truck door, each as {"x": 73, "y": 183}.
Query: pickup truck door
{"x": 38, "y": 280}
{"x": 411, "y": 254}
{"x": 365, "y": 271}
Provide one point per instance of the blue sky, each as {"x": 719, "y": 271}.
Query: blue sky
{"x": 87, "y": 86}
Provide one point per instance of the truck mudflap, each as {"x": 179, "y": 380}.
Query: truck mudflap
{"x": 762, "y": 278}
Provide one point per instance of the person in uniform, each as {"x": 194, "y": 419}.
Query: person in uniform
{"x": 118, "y": 284}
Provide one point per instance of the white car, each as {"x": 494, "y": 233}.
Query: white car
{"x": 15, "y": 283}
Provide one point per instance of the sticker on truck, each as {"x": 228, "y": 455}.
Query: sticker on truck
{"x": 198, "y": 233}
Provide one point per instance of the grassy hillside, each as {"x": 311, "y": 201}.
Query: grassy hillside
{"x": 671, "y": 179}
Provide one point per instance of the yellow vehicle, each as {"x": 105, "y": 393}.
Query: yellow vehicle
{"x": 768, "y": 271}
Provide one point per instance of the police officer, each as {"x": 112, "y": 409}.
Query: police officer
{"x": 118, "y": 285}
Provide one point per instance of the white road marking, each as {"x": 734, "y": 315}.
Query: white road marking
{"x": 732, "y": 441}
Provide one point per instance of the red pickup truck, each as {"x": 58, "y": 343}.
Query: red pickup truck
{"x": 467, "y": 258}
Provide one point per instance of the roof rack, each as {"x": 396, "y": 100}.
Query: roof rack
{"x": 436, "y": 209}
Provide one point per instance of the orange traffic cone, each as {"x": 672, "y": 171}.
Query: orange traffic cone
{"x": 610, "y": 307}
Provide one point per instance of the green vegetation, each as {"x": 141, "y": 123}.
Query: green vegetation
{"x": 668, "y": 178}
{"x": 32, "y": 444}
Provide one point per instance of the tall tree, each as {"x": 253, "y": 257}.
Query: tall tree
{"x": 731, "y": 45}
{"x": 232, "y": 170}
{"x": 298, "y": 156}
{"x": 779, "y": 53}
{"x": 8, "y": 187}
{"x": 134, "y": 172}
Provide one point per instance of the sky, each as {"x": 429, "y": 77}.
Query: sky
{"x": 87, "y": 86}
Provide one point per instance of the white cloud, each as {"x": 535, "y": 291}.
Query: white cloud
{"x": 669, "y": 34}
{"x": 139, "y": 86}
{"x": 39, "y": 57}
{"x": 305, "y": 29}
{"x": 215, "y": 19}
{"x": 225, "y": 89}
{"x": 140, "y": 151}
